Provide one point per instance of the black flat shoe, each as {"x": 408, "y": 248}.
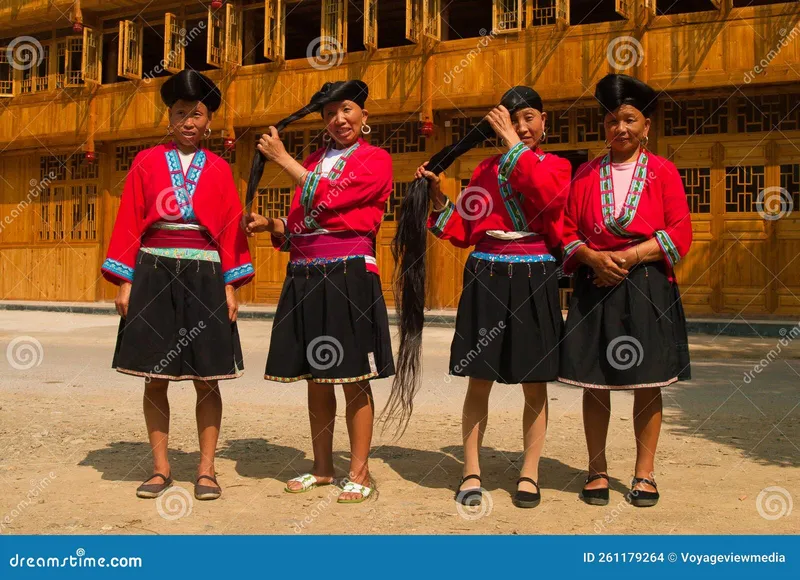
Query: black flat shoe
{"x": 595, "y": 496}
{"x": 641, "y": 498}
{"x": 470, "y": 497}
{"x": 527, "y": 499}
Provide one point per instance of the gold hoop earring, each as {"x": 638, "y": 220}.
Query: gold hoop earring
{"x": 543, "y": 138}
{"x": 207, "y": 133}
{"x": 366, "y": 129}
{"x": 645, "y": 141}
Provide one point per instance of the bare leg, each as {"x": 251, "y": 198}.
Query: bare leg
{"x": 208, "y": 412}
{"x": 360, "y": 417}
{"x": 156, "y": 416}
{"x": 474, "y": 418}
{"x": 322, "y": 416}
{"x": 534, "y": 430}
{"x": 596, "y": 414}
{"x": 647, "y": 412}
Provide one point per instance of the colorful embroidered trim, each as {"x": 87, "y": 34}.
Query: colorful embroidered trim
{"x": 180, "y": 377}
{"x": 318, "y": 380}
{"x": 118, "y": 269}
{"x": 571, "y": 247}
{"x": 238, "y": 273}
{"x": 669, "y": 249}
{"x": 617, "y": 387}
{"x": 313, "y": 178}
{"x": 184, "y": 253}
{"x": 511, "y": 199}
{"x": 614, "y": 225}
{"x": 184, "y": 186}
{"x": 437, "y": 229}
{"x": 321, "y": 261}
{"x": 513, "y": 258}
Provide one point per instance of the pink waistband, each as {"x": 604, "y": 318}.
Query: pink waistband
{"x": 196, "y": 240}
{"x": 333, "y": 245}
{"x": 530, "y": 245}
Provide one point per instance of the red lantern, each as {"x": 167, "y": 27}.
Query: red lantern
{"x": 77, "y": 27}
{"x": 89, "y": 156}
{"x": 229, "y": 143}
{"x": 426, "y": 129}
{"x": 216, "y": 4}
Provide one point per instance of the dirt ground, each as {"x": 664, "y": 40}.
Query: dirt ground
{"x": 73, "y": 448}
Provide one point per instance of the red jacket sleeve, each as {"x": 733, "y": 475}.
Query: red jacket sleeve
{"x": 234, "y": 254}
{"x": 571, "y": 237}
{"x": 126, "y": 239}
{"x": 676, "y": 237}
{"x": 449, "y": 224}
{"x": 545, "y": 183}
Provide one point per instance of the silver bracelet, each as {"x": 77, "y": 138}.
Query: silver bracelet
{"x": 447, "y": 203}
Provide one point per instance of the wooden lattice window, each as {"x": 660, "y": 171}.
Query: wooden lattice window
{"x": 73, "y": 59}
{"x": 506, "y": 15}
{"x": 590, "y": 124}
{"x": 624, "y": 8}
{"x": 333, "y": 38}
{"x": 397, "y": 137}
{"x": 294, "y": 143}
{"x": 460, "y": 126}
{"x": 53, "y": 167}
{"x": 763, "y": 113}
{"x": 562, "y": 13}
{"x": 274, "y": 26}
{"x": 432, "y": 19}
{"x": 129, "y": 65}
{"x": 217, "y": 146}
{"x": 697, "y": 183}
{"x": 274, "y": 201}
{"x": 215, "y": 48}
{"x": 83, "y": 200}
{"x": 92, "y": 51}
{"x": 174, "y": 43}
{"x": 44, "y": 214}
{"x": 233, "y": 34}
{"x": 36, "y": 78}
{"x": 742, "y": 187}
{"x": 77, "y": 168}
{"x": 558, "y": 127}
{"x": 371, "y": 24}
{"x": 124, "y": 155}
{"x": 6, "y": 74}
{"x": 695, "y": 117}
{"x": 790, "y": 181}
{"x": 413, "y": 20}
{"x": 392, "y": 213}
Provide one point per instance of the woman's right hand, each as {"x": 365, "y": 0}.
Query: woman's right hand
{"x": 434, "y": 182}
{"x": 254, "y": 223}
{"x": 608, "y": 272}
{"x": 123, "y": 299}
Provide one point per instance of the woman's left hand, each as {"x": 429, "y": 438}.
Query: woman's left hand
{"x": 233, "y": 304}
{"x": 500, "y": 120}
{"x": 271, "y": 146}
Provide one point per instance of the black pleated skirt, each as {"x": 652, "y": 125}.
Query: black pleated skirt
{"x": 626, "y": 337}
{"x": 508, "y": 323}
{"x": 177, "y": 326}
{"x": 331, "y": 326}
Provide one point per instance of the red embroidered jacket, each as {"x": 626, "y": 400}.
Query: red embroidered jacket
{"x": 522, "y": 190}
{"x": 655, "y": 207}
{"x": 156, "y": 189}
{"x": 352, "y": 198}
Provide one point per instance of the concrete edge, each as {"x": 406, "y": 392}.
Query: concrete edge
{"x": 714, "y": 327}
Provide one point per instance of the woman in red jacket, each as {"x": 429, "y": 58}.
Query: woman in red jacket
{"x": 626, "y": 225}
{"x": 177, "y": 254}
{"x": 509, "y": 319}
{"x": 331, "y": 325}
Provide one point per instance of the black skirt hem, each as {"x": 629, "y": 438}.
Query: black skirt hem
{"x": 327, "y": 380}
{"x": 618, "y": 387}
{"x": 178, "y": 378}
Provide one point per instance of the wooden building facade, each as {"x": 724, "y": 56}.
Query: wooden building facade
{"x": 73, "y": 117}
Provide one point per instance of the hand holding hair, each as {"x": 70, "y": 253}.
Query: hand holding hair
{"x": 254, "y": 223}
{"x": 271, "y": 146}
{"x": 500, "y": 120}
